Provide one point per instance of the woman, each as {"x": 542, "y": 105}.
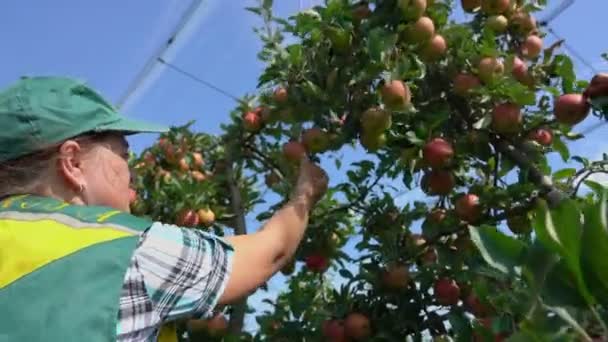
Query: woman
{"x": 74, "y": 264}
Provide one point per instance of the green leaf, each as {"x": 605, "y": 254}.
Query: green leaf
{"x": 598, "y": 188}
{"x": 560, "y": 230}
{"x": 560, "y": 287}
{"x": 267, "y": 4}
{"x": 564, "y": 67}
{"x": 561, "y": 148}
{"x": 499, "y": 250}
{"x": 594, "y": 247}
{"x": 295, "y": 54}
{"x": 564, "y": 173}
{"x": 581, "y": 160}
{"x": 346, "y": 274}
{"x": 379, "y": 42}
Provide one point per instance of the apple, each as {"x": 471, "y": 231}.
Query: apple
{"x": 132, "y": 196}
{"x": 437, "y": 153}
{"x": 198, "y": 160}
{"x": 434, "y": 49}
{"x": 375, "y": 120}
{"x": 542, "y": 136}
{"x": 357, "y": 326}
{"x": 206, "y": 216}
{"x": 149, "y": 159}
{"x": 340, "y": 39}
{"x": 491, "y": 7}
{"x": 217, "y": 326}
{"x": 470, "y": 5}
{"x": 522, "y": 22}
{"x": 437, "y": 215}
{"x": 519, "y": 224}
{"x": 429, "y": 257}
{"x": 252, "y": 122}
{"x": 570, "y": 109}
{"x": 489, "y": 69}
{"x": 396, "y": 277}
{"x": 198, "y": 176}
{"x": 439, "y": 182}
{"x": 412, "y": 9}
{"x": 280, "y": 95}
{"x": 519, "y": 70}
{"x": 361, "y": 11}
{"x": 395, "y": 94}
{"x": 183, "y": 165}
{"x": 497, "y": 23}
{"x": 507, "y": 118}
{"x": 315, "y": 140}
{"x": 373, "y": 141}
{"x": 532, "y": 47}
{"x": 272, "y": 179}
{"x": 294, "y": 151}
{"x": 333, "y": 330}
{"x": 317, "y": 263}
{"x": 468, "y": 208}
{"x": 422, "y": 30}
{"x": 187, "y": 218}
{"x": 446, "y": 291}
{"x": 475, "y": 306}
{"x": 464, "y": 83}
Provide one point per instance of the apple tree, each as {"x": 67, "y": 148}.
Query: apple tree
{"x": 475, "y": 113}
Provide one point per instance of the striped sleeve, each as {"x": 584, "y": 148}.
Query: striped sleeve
{"x": 185, "y": 271}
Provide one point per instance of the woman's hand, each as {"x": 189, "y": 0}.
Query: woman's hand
{"x": 312, "y": 182}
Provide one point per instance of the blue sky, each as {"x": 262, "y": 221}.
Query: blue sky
{"x": 107, "y": 42}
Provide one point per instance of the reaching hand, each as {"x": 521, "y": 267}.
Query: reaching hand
{"x": 312, "y": 181}
{"x": 598, "y": 86}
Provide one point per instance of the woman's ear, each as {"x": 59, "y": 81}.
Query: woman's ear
{"x": 69, "y": 162}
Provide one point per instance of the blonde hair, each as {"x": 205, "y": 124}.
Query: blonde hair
{"x": 22, "y": 175}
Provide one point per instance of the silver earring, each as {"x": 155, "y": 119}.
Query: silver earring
{"x": 80, "y": 188}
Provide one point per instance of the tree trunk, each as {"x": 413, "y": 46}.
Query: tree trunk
{"x": 239, "y": 308}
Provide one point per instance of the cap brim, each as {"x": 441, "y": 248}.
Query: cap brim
{"x": 130, "y": 126}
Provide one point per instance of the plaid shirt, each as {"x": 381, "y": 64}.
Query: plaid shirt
{"x": 174, "y": 273}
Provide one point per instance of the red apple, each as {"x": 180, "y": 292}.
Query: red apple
{"x": 396, "y": 277}
{"x": 294, "y": 151}
{"x": 429, "y": 257}
{"x": 507, "y": 118}
{"x": 491, "y": 7}
{"x": 570, "y": 109}
{"x": 375, "y": 120}
{"x": 315, "y": 140}
{"x": 532, "y": 47}
{"x": 489, "y": 69}
{"x": 317, "y": 263}
{"x": 497, "y": 23}
{"x": 187, "y": 218}
{"x": 437, "y": 153}
{"x": 464, "y": 83}
{"x": 523, "y": 22}
{"x": 422, "y": 30}
{"x": 439, "y": 182}
{"x": 198, "y": 160}
{"x": 357, "y": 326}
{"x": 217, "y": 326}
{"x": 446, "y": 291}
{"x": 280, "y": 95}
{"x": 206, "y": 216}
{"x": 470, "y": 5}
{"x": 361, "y": 11}
{"x": 395, "y": 94}
{"x": 519, "y": 70}
{"x": 437, "y": 215}
{"x": 542, "y": 136}
{"x": 476, "y": 307}
{"x": 272, "y": 179}
{"x": 468, "y": 208}
{"x": 251, "y": 121}
{"x": 333, "y": 330}
{"x": 412, "y": 9}
{"x": 198, "y": 176}
{"x": 434, "y": 49}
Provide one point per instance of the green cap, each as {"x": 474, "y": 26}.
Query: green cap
{"x": 36, "y": 112}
